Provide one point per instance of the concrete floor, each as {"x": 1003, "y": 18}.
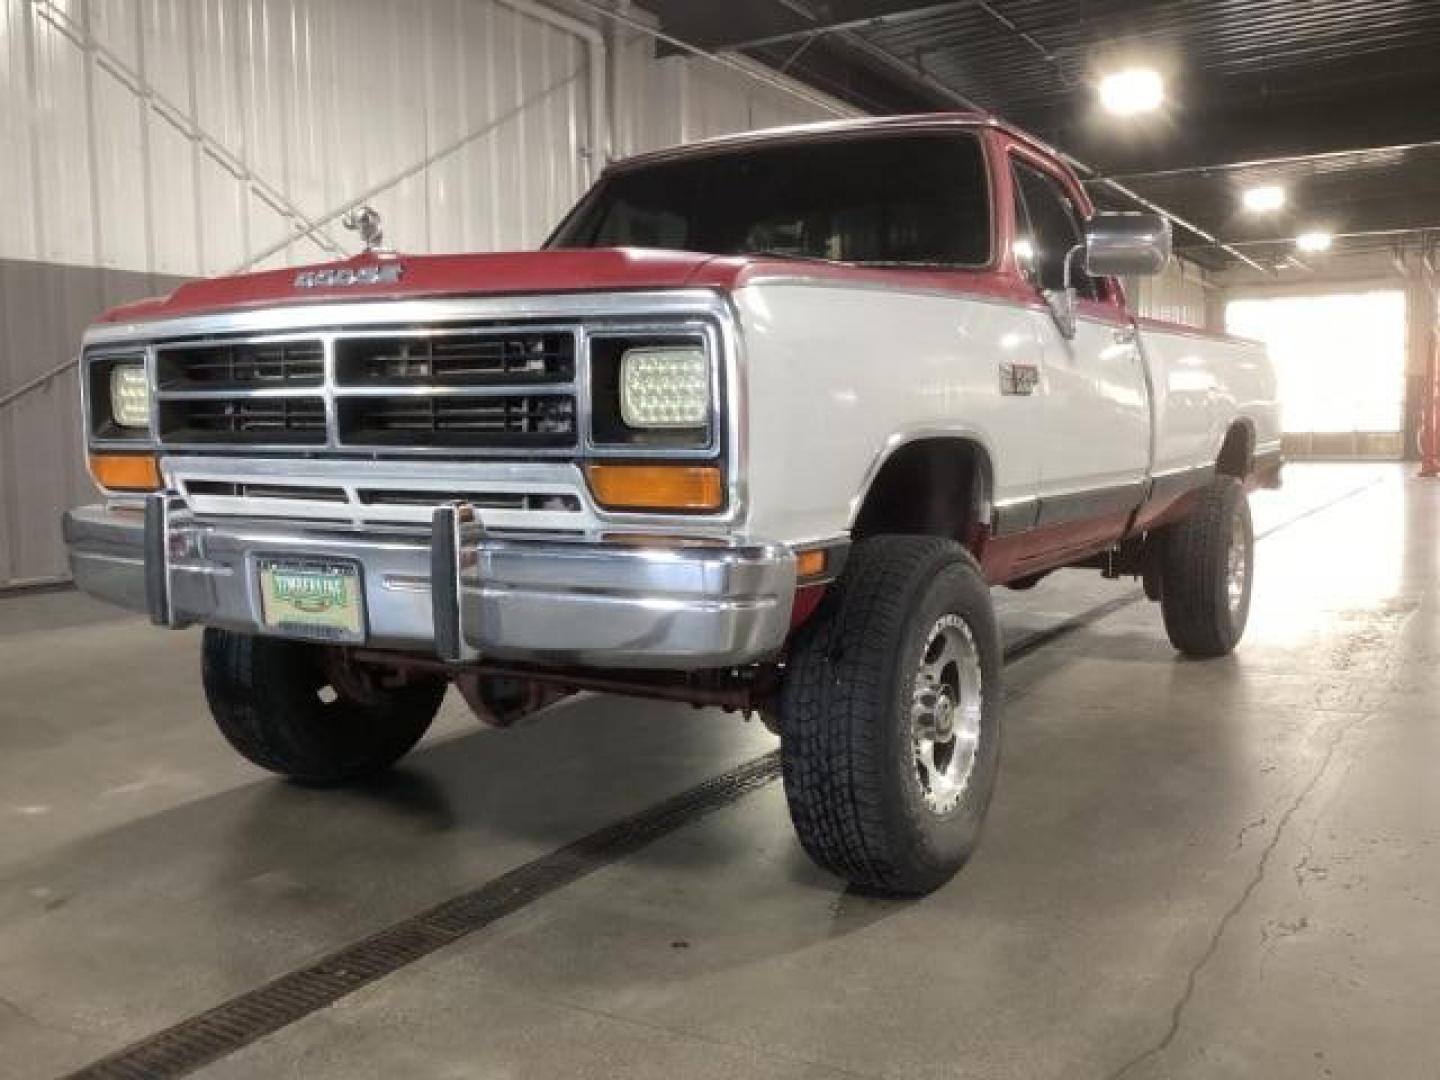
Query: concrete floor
{"x": 1190, "y": 869}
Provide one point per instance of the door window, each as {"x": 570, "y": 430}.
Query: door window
{"x": 1047, "y": 228}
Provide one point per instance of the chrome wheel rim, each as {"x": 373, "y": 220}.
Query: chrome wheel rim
{"x": 1237, "y": 567}
{"x": 945, "y": 712}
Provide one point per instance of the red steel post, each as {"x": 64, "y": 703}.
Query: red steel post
{"x": 1430, "y": 410}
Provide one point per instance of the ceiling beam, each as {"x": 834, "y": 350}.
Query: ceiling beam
{"x": 1289, "y": 159}
{"x": 1190, "y": 136}
{"x": 883, "y": 19}
{"x": 745, "y": 68}
{"x": 1211, "y": 241}
{"x": 1029, "y": 39}
{"x": 1358, "y": 234}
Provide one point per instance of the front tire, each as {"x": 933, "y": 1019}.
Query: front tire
{"x": 1207, "y": 569}
{"x": 890, "y": 716}
{"x": 286, "y": 708}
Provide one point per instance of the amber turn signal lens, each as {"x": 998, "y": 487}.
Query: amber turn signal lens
{"x": 657, "y": 487}
{"x": 810, "y": 563}
{"x": 126, "y": 472}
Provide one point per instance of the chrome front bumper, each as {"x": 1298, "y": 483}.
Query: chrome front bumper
{"x": 551, "y": 601}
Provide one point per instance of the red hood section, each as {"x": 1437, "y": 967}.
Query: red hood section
{"x": 591, "y": 270}
{"x": 537, "y": 272}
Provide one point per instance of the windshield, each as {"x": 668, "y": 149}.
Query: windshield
{"x": 915, "y": 198}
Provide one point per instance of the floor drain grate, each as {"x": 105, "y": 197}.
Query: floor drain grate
{"x": 203, "y": 1039}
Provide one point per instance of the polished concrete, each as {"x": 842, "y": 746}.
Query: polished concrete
{"x": 1190, "y": 869}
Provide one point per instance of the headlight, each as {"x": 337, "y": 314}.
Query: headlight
{"x": 664, "y": 387}
{"x": 129, "y": 396}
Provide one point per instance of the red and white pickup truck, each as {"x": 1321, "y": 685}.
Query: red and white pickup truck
{"x": 760, "y": 427}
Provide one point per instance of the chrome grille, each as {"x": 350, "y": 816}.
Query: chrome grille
{"x": 499, "y": 389}
{"x": 478, "y": 359}
{"x": 513, "y": 495}
{"x": 495, "y": 421}
{"x": 244, "y": 421}
{"x": 235, "y": 489}
{"x": 241, "y": 365}
{"x": 483, "y": 500}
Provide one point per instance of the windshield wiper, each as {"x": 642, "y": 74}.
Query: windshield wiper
{"x": 910, "y": 264}
{"x": 883, "y": 264}
{"x": 798, "y": 256}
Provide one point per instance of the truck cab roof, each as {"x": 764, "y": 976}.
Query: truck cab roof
{"x": 824, "y": 129}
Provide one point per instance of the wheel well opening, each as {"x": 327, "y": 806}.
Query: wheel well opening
{"x": 931, "y": 487}
{"x": 1237, "y": 451}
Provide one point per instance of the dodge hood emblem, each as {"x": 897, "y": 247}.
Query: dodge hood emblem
{"x": 384, "y": 274}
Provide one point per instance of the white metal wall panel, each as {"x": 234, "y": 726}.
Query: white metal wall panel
{"x": 190, "y": 137}
{"x": 1176, "y": 294}
{"x": 17, "y": 118}
{"x": 680, "y": 99}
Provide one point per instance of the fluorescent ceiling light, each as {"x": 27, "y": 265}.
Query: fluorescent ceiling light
{"x": 1134, "y": 90}
{"x": 1264, "y": 199}
{"x": 1314, "y": 242}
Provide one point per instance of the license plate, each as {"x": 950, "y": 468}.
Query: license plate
{"x": 314, "y": 598}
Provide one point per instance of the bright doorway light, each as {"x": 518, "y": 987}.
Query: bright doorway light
{"x": 1264, "y": 199}
{"x": 1314, "y": 242}
{"x": 1339, "y": 358}
{"x": 1132, "y": 91}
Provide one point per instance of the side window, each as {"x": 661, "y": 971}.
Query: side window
{"x": 1048, "y": 227}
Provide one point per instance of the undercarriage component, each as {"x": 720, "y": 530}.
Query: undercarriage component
{"x": 503, "y": 693}
{"x": 1029, "y": 581}
{"x": 501, "y": 700}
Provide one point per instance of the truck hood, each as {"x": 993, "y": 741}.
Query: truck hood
{"x": 421, "y": 276}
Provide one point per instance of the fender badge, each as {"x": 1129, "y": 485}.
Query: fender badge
{"x": 1019, "y": 379}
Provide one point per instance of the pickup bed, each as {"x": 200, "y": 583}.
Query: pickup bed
{"x": 759, "y": 428}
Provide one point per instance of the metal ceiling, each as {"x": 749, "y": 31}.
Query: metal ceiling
{"x": 1342, "y": 92}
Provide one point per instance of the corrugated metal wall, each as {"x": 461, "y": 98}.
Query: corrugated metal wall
{"x": 676, "y": 100}
{"x": 151, "y": 140}
{"x": 1177, "y": 294}
{"x": 194, "y": 136}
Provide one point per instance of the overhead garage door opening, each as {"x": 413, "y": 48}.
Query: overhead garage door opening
{"x": 1340, "y": 364}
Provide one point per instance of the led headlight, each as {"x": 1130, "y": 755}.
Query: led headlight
{"x": 129, "y": 396}
{"x": 664, "y": 387}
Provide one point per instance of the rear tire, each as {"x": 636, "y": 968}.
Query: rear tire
{"x": 281, "y": 705}
{"x": 890, "y": 716}
{"x": 1207, "y": 570}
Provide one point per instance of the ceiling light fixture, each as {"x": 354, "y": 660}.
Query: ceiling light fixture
{"x": 1132, "y": 91}
{"x": 1314, "y": 242}
{"x": 1264, "y": 199}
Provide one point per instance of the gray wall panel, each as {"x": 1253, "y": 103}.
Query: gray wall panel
{"x": 43, "y": 310}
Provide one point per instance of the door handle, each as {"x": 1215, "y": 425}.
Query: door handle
{"x": 1124, "y": 335}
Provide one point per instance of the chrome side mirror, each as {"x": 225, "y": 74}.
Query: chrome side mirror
{"x": 1116, "y": 245}
{"x": 1119, "y": 244}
